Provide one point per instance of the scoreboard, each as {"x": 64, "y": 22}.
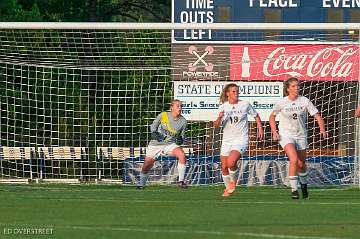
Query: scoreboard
{"x": 257, "y": 11}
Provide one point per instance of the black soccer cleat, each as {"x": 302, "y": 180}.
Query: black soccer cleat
{"x": 182, "y": 185}
{"x": 295, "y": 194}
{"x": 304, "y": 191}
{"x": 139, "y": 187}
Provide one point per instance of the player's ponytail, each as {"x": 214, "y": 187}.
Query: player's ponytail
{"x": 223, "y": 96}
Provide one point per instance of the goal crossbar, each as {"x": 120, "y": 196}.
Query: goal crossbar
{"x": 178, "y": 26}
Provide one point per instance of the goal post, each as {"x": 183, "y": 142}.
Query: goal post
{"x": 357, "y": 128}
{"x": 79, "y": 97}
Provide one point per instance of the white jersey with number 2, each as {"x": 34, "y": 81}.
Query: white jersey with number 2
{"x": 235, "y": 120}
{"x": 293, "y": 115}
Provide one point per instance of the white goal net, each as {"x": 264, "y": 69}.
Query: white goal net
{"x": 76, "y": 104}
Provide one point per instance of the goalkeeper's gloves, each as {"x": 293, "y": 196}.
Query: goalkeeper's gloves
{"x": 157, "y": 136}
{"x": 179, "y": 140}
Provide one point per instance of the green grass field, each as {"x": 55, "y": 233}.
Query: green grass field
{"x": 112, "y": 211}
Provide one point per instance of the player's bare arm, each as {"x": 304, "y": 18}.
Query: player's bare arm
{"x": 272, "y": 122}
{"x": 357, "y": 112}
{"x": 259, "y": 127}
{"x": 217, "y": 122}
{"x": 321, "y": 124}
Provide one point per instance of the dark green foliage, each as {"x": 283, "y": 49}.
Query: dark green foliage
{"x": 86, "y": 10}
{"x": 12, "y": 10}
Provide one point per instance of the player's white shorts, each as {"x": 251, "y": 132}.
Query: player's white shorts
{"x": 154, "y": 151}
{"x": 300, "y": 143}
{"x": 227, "y": 147}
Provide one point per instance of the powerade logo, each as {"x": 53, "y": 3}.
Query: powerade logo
{"x": 200, "y": 62}
{"x": 193, "y": 51}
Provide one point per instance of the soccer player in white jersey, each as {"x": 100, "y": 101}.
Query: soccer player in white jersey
{"x": 233, "y": 115}
{"x": 167, "y": 135}
{"x": 293, "y": 111}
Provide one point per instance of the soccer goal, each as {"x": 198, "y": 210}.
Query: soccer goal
{"x": 77, "y": 99}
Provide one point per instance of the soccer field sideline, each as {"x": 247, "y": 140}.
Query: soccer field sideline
{"x": 308, "y": 202}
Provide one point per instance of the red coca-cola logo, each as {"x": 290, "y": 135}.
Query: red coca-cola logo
{"x": 306, "y": 62}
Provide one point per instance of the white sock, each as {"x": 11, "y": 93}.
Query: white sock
{"x": 293, "y": 183}
{"x": 303, "y": 177}
{"x": 232, "y": 175}
{"x": 143, "y": 179}
{"x": 181, "y": 170}
{"x": 226, "y": 179}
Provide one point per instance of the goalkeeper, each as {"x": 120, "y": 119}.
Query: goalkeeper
{"x": 167, "y": 135}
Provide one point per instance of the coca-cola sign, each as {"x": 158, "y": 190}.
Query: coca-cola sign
{"x": 306, "y": 62}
